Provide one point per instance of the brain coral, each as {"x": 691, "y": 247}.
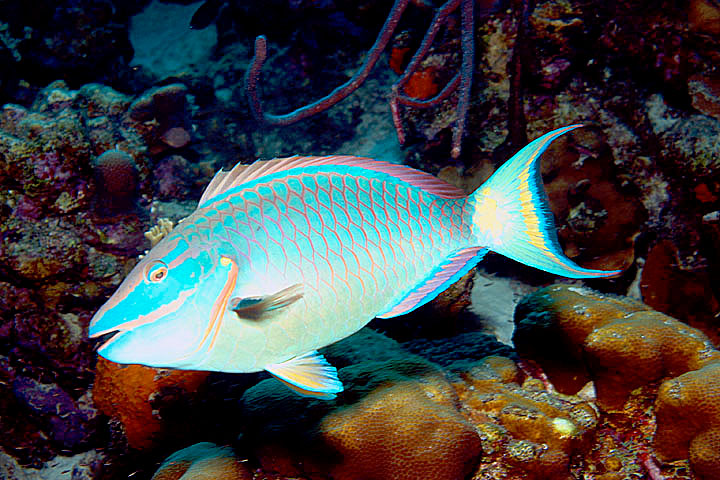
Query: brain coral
{"x": 203, "y": 461}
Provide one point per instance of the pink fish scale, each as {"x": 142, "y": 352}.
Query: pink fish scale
{"x": 352, "y": 236}
{"x": 376, "y": 250}
{"x": 302, "y": 258}
{"x": 343, "y": 250}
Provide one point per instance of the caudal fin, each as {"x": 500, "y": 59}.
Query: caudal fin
{"x": 511, "y": 215}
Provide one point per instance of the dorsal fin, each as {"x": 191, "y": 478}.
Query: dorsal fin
{"x": 447, "y": 273}
{"x": 240, "y": 174}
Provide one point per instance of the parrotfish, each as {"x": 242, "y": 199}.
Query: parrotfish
{"x": 286, "y": 256}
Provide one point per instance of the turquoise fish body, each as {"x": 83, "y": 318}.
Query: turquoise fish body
{"x": 284, "y": 257}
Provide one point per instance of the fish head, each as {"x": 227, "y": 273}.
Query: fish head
{"x": 165, "y": 313}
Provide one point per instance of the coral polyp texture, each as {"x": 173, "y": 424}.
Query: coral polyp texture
{"x": 389, "y": 433}
{"x": 624, "y": 347}
{"x": 688, "y": 419}
{"x": 203, "y": 461}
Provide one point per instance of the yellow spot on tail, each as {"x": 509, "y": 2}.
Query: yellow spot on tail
{"x": 225, "y": 261}
{"x": 490, "y": 217}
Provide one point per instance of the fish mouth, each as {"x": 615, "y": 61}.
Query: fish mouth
{"x": 111, "y": 337}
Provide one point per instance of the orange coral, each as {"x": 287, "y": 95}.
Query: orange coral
{"x": 124, "y": 392}
{"x": 624, "y": 343}
{"x": 203, "y": 461}
{"x": 400, "y": 432}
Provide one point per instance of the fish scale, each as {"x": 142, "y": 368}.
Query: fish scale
{"x": 286, "y": 256}
{"x": 355, "y": 253}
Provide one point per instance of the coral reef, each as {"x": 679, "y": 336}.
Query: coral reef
{"x": 625, "y": 347}
{"x": 604, "y": 387}
{"x": 525, "y": 429}
{"x": 619, "y": 343}
{"x": 396, "y": 407}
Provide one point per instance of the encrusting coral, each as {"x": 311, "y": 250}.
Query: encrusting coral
{"x": 125, "y": 392}
{"x": 524, "y": 427}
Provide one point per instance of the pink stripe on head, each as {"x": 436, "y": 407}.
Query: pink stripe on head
{"x": 161, "y": 311}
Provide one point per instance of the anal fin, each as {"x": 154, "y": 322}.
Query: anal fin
{"x": 456, "y": 265}
{"x": 308, "y": 375}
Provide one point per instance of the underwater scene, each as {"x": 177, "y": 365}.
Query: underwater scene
{"x": 360, "y": 240}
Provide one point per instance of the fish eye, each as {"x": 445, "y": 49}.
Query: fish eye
{"x": 156, "y": 271}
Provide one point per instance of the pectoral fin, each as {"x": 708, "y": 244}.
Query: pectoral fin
{"x": 309, "y": 375}
{"x": 260, "y": 308}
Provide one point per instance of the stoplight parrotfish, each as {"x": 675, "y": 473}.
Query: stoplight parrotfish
{"x": 283, "y": 257}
